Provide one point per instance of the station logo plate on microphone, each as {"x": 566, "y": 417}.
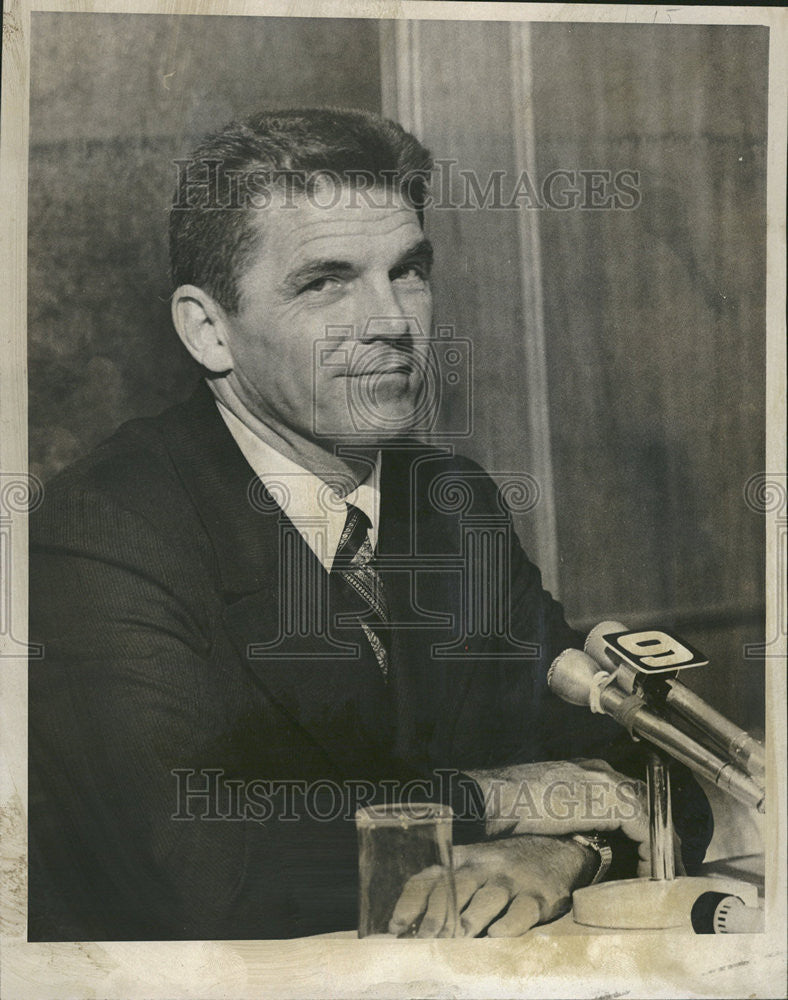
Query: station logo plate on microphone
{"x": 653, "y": 651}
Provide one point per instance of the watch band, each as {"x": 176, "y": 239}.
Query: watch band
{"x": 603, "y": 850}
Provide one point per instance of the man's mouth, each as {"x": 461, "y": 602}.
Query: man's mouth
{"x": 382, "y": 366}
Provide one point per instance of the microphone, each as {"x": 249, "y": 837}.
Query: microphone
{"x": 737, "y": 744}
{"x": 718, "y": 913}
{"x": 576, "y": 678}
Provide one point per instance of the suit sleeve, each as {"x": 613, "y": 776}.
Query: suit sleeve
{"x": 130, "y": 838}
{"x": 116, "y": 703}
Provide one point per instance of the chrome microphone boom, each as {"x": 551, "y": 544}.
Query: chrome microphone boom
{"x": 737, "y": 744}
{"x": 576, "y": 677}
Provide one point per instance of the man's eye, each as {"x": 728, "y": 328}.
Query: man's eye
{"x": 322, "y": 284}
{"x": 412, "y": 272}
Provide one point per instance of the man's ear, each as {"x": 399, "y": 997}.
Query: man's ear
{"x": 202, "y": 326}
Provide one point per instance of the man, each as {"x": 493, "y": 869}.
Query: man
{"x": 258, "y": 603}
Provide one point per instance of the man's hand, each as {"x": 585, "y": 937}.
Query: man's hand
{"x": 553, "y": 798}
{"x": 530, "y": 878}
{"x": 560, "y": 797}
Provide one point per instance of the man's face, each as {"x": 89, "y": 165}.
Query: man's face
{"x": 335, "y": 309}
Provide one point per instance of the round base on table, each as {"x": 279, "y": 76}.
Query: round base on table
{"x": 646, "y": 904}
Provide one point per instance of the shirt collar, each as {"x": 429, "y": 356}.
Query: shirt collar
{"x": 315, "y": 510}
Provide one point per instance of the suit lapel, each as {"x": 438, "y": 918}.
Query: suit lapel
{"x": 328, "y": 684}
{"x": 238, "y": 516}
{"x": 275, "y": 590}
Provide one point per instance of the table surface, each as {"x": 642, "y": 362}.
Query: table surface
{"x": 558, "y": 960}
{"x": 748, "y": 868}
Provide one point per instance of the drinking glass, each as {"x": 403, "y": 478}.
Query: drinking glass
{"x": 398, "y": 841}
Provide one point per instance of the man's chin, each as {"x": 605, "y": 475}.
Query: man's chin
{"x": 379, "y": 427}
{"x": 390, "y": 409}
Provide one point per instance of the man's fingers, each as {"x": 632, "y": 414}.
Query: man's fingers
{"x": 466, "y": 882}
{"x": 523, "y": 914}
{"x": 434, "y": 919}
{"x": 636, "y": 829}
{"x": 486, "y": 904}
{"x": 414, "y": 899}
{"x": 424, "y": 903}
{"x": 644, "y": 855}
{"x": 635, "y": 822}
{"x": 620, "y": 801}
{"x": 592, "y": 797}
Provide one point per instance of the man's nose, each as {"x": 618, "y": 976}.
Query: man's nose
{"x": 386, "y": 328}
{"x": 386, "y": 319}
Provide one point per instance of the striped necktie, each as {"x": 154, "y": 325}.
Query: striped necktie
{"x": 354, "y": 563}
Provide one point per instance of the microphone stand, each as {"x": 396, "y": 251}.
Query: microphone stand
{"x": 660, "y": 818}
{"x": 665, "y": 900}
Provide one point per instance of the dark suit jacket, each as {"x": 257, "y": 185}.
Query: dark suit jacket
{"x": 169, "y": 666}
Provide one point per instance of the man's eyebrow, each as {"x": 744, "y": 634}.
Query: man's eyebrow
{"x": 421, "y": 251}
{"x": 311, "y": 270}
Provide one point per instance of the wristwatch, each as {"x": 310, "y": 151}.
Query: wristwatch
{"x": 603, "y": 850}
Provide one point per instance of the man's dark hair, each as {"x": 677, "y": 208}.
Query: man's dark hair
{"x": 211, "y": 235}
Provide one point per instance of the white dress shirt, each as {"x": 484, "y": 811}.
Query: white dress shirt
{"x": 316, "y": 510}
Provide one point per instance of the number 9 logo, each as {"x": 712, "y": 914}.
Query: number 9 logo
{"x": 655, "y": 650}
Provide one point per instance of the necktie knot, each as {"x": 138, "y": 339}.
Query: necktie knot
{"x": 354, "y": 546}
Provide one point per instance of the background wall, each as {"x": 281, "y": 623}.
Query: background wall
{"x": 656, "y": 323}
{"x": 618, "y": 356}
{"x": 114, "y": 100}
{"x": 649, "y": 324}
